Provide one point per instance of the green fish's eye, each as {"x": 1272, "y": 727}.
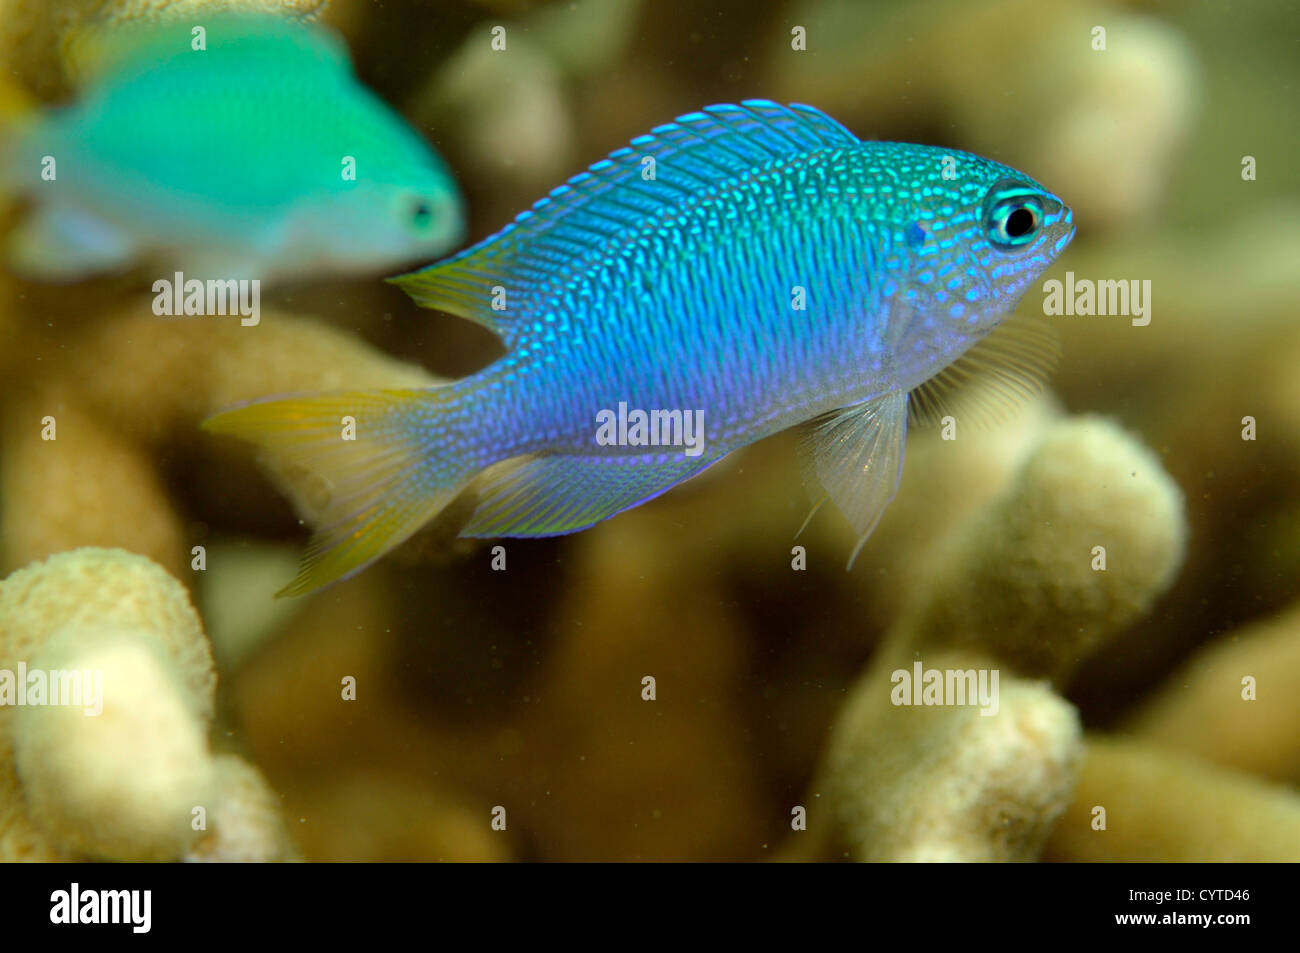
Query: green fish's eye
{"x": 421, "y": 215}
{"x": 1014, "y": 216}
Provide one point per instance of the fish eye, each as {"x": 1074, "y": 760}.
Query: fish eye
{"x": 1014, "y": 216}
{"x": 421, "y": 215}
{"x": 1021, "y": 222}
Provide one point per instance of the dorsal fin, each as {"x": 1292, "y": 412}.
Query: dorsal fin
{"x": 104, "y": 52}
{"x": 614, "y": 196}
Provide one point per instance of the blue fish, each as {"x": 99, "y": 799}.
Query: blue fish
{"x": 736, "y": 272}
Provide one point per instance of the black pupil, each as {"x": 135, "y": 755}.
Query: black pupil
{"x": 422, "y": 213}
{"x": 1020, "y": 222}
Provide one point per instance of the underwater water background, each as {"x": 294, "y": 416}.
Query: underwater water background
{"x": 1165, "y": 685}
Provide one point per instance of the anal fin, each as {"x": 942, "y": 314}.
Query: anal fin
{"x": 60, "y": 243}
{"x": 555, "y": 494}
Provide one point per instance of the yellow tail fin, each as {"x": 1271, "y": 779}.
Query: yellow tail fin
{"x": 382, "y": 477}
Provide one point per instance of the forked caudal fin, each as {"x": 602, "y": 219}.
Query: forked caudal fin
{"x": 384, "y": 470}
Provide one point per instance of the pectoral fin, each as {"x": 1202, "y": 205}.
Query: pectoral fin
{"x": 855, "y": 455}
{"x": 994, "y": 379}
{"x": 58, "y": 243}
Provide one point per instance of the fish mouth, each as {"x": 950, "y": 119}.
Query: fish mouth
{"x": 1065, "y": 224}
{"x": 1061, "y": 243}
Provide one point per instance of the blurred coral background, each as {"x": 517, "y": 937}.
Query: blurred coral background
{"x": 522, "y": 689}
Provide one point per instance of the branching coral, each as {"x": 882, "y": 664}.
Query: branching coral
{"x": 984, "y": 562}
{"x": 949, "y": 784}
{"x": 376, "y": 788}
{"x": 68, "y": 481}
{"x": 1165, "y": 807}
{"x": 246, "y": 820}
{"x": 1243, "y": 694}
{"x": 121, "y": 784}
{"x": 943, "y": 481}
{"x": 37, "y": 36}
{"x": 1132, "y": 83}
{"x": 124, "y": 771}
{"x": 1015, "y": 589}
{"x": 120, "y": 397}
{"x": 477, "y": 92}
{"x": 1080, "y": 544}
{"x": 156, "y": 378}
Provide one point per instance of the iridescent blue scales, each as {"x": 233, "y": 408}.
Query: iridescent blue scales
{"x": 736, "y": 272}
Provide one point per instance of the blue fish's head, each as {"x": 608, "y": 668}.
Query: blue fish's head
{"x": 968, "y": 236}
{"x": 1023, "y": 228}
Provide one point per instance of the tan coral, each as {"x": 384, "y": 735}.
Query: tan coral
{"x": 650, "y": 779}
{"x": 37, "y": 37}
{"x": 1011, "y": 590}
{"x": 88, "y": 486}
{"x": 192, "y": 369}
{"x": 156, "y": 378}
{"x": 148, "y": 385}
{"x": 1187, "y": 337}
{"x": 1081, "y": 119}
{"x": 1021, "y": 579}
{"x": 950, "y": 783}
{"x": 20, "y": 840}
{"x": 1166, "y": 807}
{"x": 116, "y": 399}
{"x": 237, "y": 595}
{"x": 374, "y": 815}
{"x": 479, "y": 92}
{"x": 1187, "y": 380}
{"x": 1252, "y": 728}
{"x": 627, "y": 784}
{"x": 943, "y": 481}
{"x": 113, "y": 589}
{"x": 245, "y": 821}
{"x": 365, "y": 779}
{"x": 121, "y": 784}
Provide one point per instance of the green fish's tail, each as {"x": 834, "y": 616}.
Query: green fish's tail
{"x": 385, "y": 461}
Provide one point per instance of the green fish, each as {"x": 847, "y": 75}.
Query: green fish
{"x": 242, "y": 148}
